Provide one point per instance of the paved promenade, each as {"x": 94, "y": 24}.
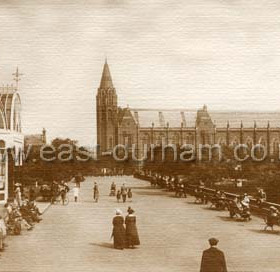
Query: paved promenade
{"x": 173, "y": 234}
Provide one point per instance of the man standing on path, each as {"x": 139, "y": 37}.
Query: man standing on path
{"x": 213, "y": 259}
{"x": 123, "y": 193}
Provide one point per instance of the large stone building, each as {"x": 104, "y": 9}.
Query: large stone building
{"x": 116, "y": 125}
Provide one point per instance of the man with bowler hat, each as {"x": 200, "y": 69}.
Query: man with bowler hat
{"x": 213, "y": 259}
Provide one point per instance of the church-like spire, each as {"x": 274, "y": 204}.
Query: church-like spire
{"x": 106, "y": 80}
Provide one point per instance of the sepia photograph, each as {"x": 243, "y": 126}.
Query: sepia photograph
{"x": 139, "y": 136}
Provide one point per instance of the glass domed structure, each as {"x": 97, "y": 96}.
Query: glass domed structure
{"x": 11, "y": 137}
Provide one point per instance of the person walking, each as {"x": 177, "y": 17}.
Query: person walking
{"x": 118, "y": 232}
{"x": 95, "y": 192}
{"x": 132, "y": 237}
{"x": 118, "y": 196}
{"x": 76, "y": 191}
{"x": 213, "y": 259}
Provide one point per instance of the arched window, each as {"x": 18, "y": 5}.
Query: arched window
{"x": 145, "y": 139}
{"x": 160, "y": 139}
{"x": 110, "y": 97}
{"x": 175, "y": 139}
{"x": 186, "y": 139}
{"x": 203, "y": 138}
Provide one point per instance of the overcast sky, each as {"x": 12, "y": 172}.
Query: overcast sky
{"x": 162, "y": 54}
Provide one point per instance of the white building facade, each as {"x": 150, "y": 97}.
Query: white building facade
{"x": 11, "y": 138}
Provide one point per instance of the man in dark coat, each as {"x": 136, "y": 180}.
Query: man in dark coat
{"x": 213, "y": 259}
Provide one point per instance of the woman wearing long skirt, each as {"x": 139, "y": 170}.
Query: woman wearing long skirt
{"x": 129, "y": 194}
{"x": 118, "y": 230}
{"x": 132, "y": 237}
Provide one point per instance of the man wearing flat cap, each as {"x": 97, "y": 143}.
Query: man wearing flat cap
{"x": 213, "y": 259}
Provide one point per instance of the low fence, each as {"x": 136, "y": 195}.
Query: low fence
{"x": 263, "y": 211}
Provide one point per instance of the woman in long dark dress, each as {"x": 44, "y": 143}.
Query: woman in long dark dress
{"x": 118, "y": 231}
{"x": 132, "y": 237}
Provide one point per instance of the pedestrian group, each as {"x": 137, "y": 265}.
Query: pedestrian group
{"x": 125, "y": 232}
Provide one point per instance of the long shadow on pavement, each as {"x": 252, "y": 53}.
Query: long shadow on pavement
{"x": 211, "y": 209}
{"x": 105, "y": 245}
{"x": 273, "y": 232}
{"x": 227, "y": 218}
{"x": 195, "y": 203}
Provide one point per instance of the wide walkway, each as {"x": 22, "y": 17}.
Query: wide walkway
{"x": 173, "y": 234}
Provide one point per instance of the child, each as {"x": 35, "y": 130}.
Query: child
{"x": 76, "y": 192}
{"x": 129, "y": 194}
{"x": 118, "y": 195}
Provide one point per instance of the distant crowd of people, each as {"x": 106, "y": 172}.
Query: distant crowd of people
{"x": 238, "y": 203}
{"x": 57, "y": 191}
{"x": 123, "y": 193}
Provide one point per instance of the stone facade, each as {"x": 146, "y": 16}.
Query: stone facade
{"x": 129, "y": 126}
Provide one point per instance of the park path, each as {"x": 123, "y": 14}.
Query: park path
{"x": 173, "y": 234}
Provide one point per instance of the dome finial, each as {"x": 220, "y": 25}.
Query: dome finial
{"x": 17, "y": 77}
